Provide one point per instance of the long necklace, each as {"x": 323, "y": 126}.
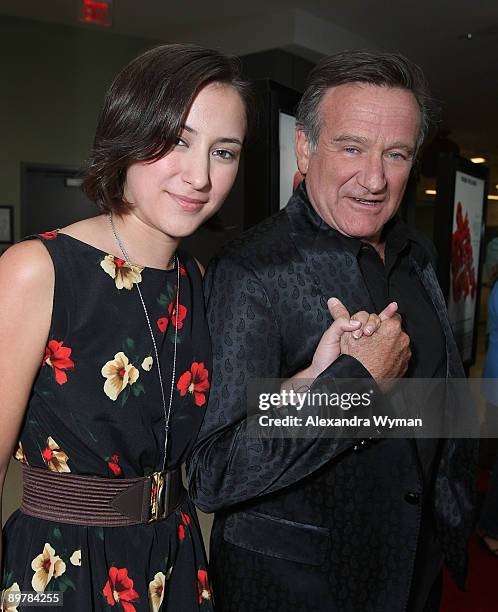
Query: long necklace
{"x": 166, "y": 408}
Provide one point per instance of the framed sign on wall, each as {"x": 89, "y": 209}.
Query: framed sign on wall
{"x": 6, "y": 225}
{"x": 270, "y": 169}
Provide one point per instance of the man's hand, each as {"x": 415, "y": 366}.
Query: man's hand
{"x": 370, "y": 322}
{"x": 385, "y": 355}
{"x": 329, "y": 347}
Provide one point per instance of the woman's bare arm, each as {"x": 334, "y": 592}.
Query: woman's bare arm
{"x": 26, "y": 294}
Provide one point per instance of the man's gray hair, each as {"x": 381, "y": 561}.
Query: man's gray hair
{"x": 382, "y": 69}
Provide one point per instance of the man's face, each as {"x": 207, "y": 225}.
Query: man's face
{"x": 357, "y": 175}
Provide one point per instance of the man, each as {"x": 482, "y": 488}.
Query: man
{"x": 333, "y": 525}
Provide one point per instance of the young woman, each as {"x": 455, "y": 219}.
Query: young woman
{"x": 106, "y": 357}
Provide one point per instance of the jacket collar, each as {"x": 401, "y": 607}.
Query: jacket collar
{"x": 333, "y": 269}
{"x": 305, "y": 223}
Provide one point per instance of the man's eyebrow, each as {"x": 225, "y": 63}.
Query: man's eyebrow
{"x": 402, "y": 145}
{"x": 236, "y": 141}
{"x": 350, "y": 138}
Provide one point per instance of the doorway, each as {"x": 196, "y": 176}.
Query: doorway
{"x": 51, "y": 198}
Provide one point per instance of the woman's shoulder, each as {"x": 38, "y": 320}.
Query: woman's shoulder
{"x": 91, "y": 232}
{"x": 26, "y": 259}
{"x": 27, "y": 268}
{"x": 87, "y": 230}
{"x": 71, "y": 247}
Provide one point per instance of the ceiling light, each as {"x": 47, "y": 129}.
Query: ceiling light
{"x": 478, "y": 160}
{"x": 434, "y": 192}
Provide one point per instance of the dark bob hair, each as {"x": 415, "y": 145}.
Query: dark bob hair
{"x": 144, "y": 111}
{"x": 382, "y": 69}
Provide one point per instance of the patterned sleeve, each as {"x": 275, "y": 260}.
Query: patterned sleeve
{"x": 229, "y": 464}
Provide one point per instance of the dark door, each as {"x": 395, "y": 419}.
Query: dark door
{"x": 51, "y": 197}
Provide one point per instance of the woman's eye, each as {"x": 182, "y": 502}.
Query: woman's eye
{"x": 224, "y": 154}
{"x": 180, "y": 142}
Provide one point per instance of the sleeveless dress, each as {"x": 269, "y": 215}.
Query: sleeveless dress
{"x": 96, "y": 409}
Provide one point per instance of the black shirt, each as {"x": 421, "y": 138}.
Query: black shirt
{"x": 395, "y": 280}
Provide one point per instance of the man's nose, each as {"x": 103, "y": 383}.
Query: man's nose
{"x": 372, "y": 175}
{"x": 195, "y": 171}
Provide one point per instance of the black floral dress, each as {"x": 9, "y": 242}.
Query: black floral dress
{"x": 96, "y": 409}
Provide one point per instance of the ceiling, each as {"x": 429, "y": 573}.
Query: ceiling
{"x": 461, "y": 70}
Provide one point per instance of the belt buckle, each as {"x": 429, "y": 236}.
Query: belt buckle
{"x": 157, "y": 507}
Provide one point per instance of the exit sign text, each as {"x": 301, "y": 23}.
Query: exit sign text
{"x": 98, "y": 12}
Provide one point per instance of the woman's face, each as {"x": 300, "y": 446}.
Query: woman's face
{"x": 180, "y": 191}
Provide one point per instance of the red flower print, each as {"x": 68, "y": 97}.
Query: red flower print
{"x": 47, "y": 454}
{"x": 50, "y": 235}
{"x": 162, "y": 324}
{"x": 181, "y": 527}
{"x": 119, "y": 589}
{"x": 57, "y": 357}
{"x": 114, "y": 466}
{"x": 177, "y": 319}
{"x": 183, "y": 272}
{"x": 196, "y": 382}
{"x": 181, "y": 532}
{"x": 203, "y": 588}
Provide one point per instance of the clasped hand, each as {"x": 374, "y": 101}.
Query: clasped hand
{"x": 378, "y": 342}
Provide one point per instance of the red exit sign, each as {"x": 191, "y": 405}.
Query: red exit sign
{"x": 98, "y": 12}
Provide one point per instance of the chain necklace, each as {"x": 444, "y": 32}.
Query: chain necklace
{"x": 166, "y": 408}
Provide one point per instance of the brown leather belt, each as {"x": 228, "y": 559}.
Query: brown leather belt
{"x": 100, "y": 502}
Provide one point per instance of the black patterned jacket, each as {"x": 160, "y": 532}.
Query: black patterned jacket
{"x": 310, "y": 524}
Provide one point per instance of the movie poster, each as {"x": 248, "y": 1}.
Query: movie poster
{"x": 465, "y": 248}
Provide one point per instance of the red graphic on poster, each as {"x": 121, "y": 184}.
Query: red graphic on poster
{"x": 462, "y": 259}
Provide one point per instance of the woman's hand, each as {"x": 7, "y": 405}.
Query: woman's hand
{"x": 329, "y": 347}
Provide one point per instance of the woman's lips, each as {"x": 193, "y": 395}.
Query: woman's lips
{"x": 188, "y": 204}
